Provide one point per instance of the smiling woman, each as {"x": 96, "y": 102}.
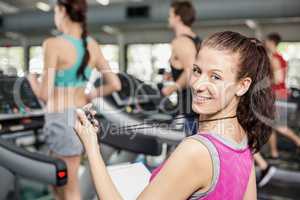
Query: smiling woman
{"x": 213, "y": 83}
{"x": 237, "y": 82}
{"x": 228, "y": 96}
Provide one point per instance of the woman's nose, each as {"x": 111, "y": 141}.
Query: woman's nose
{"x": 200, "y": 83}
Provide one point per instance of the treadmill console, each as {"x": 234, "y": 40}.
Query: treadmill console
{"x": 19, "y": 107}
{"x": 139, "y": 95}
{"x": 16, "y": 96}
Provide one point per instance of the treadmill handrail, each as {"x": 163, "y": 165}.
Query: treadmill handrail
{"x": 110, "y": 112}
{"x": 9, "y": 153}
{"x": 33, "y": 113}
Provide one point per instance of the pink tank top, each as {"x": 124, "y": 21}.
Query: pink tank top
{"x": 232, "y": 164}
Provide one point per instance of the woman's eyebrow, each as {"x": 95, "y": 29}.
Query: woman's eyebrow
{"x": 195, "y": 65}
{"x": 216, "y": 70}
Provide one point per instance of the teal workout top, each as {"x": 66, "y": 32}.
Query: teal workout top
{"x": 68, "y": 77}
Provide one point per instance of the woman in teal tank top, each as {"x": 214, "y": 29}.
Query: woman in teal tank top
{"x": 68, "y": 62}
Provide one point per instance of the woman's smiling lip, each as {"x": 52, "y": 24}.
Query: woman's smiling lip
{"x": 201, "y": 99}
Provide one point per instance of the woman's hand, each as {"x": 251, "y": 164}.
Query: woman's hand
{"x": 168, "y": 90}
{"x": 32, "y": 78}
{"x": 167, "y": 76}
{"x": 86, "y": 131}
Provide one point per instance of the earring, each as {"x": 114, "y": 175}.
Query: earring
{"x": 239, "y": 94}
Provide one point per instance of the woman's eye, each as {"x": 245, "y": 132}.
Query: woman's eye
{"x": 215, "y": 77}
{"x": 196, "y": 71}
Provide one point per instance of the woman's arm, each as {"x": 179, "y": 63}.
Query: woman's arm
{"x": 111, "y": 80}
{"x": 185, "y": 164}
{"x": 187, "y": 170}
{"x": 44, "y": 88}
{"x": 87, "y": 133}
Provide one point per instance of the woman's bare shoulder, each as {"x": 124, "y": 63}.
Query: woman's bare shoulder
{"x": 52, "y": 42}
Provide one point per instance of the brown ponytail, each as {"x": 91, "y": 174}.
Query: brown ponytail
{"x": 86, "y": 55}
{"x": 76, "y": 10}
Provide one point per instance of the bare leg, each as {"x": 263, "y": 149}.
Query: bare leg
{"x": 261, "y": 162}
{"x": 58, "y": 194}
{"x": 70, "y": 191}
{"x": 289, "y": 133}
{"x": 273, "y": 145}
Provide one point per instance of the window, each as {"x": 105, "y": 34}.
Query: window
{"x": 111, "y": 54}
{"x": 12, "y": 60}
{"x": 139, "y": 61}
{"x": 291, "y": 52}
{"x": 36, "y": 59}
{"x": 144, "y": 60}
{"x": 161, "y": 54}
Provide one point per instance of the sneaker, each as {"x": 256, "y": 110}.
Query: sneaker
{"x": 266, "y": 175}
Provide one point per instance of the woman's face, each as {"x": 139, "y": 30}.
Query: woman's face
{"x": 59, "y": 15}
{"x": 213, "y": 81}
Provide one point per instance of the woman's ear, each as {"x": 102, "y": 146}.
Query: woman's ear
{"x": 243, "y": 86}
{"x": 63, "y": 11}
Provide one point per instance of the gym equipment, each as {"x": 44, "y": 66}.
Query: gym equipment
{"x": 20, "y": 110}
{"x": 20, "y": 115}
{"x": 32, "y": 165}
{"x": 17, "y": 98}
{"x": 140, "y": 104}
{"x": 111, "y": 113}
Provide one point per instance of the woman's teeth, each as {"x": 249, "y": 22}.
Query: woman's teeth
{"x": 201, "y": 99}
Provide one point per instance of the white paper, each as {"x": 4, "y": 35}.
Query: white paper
{"x": 130, "y": 179}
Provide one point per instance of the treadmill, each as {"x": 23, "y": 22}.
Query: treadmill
{"x": 20, "y": 110}
{"x": 20, "y": 114}
{"x": 33, "y": 166}
{"x": 139, "y": 104}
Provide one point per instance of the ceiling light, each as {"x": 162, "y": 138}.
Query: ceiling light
{"x": 110, "y": 30}
{"x": 43, "y": 6}
{"x": 251, "y": 24}
{"x": 103, "y": 2}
